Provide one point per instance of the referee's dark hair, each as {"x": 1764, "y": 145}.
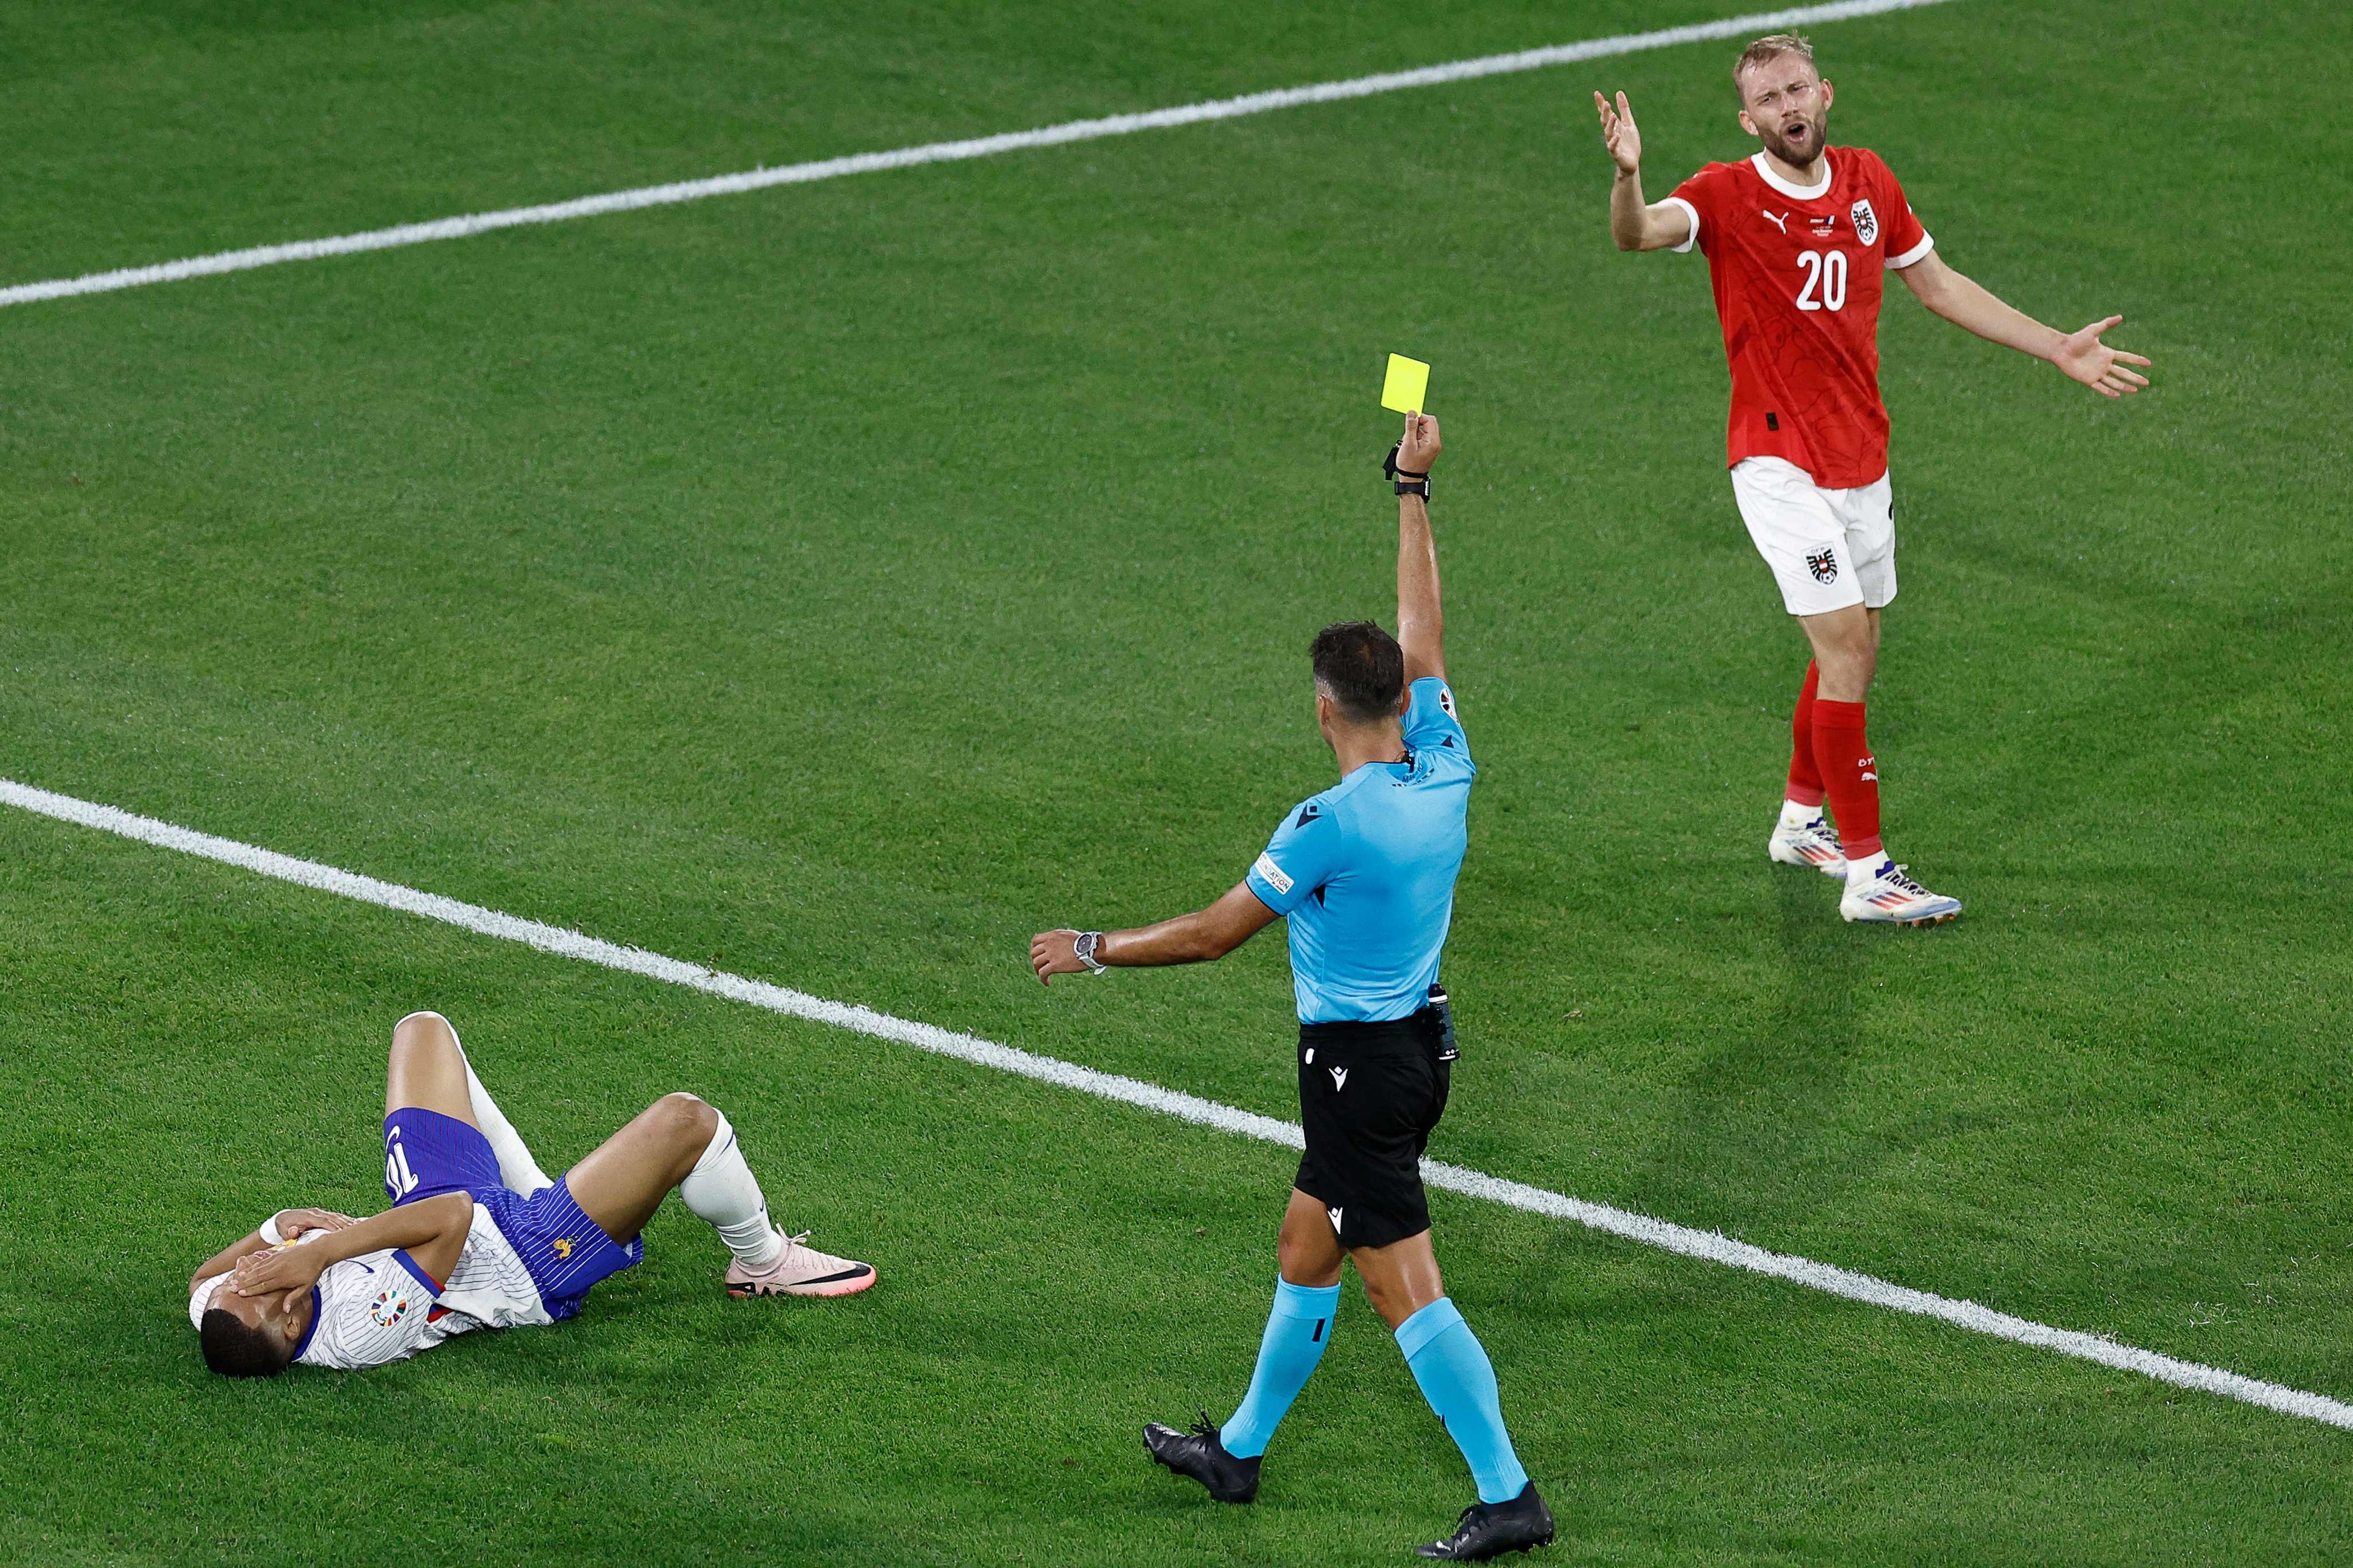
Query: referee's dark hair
{"x": 1362, "y": 669}
{"x": 235, "y": 1348}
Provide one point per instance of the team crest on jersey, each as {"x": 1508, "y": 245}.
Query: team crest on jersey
{"x": 1824, "y": 566}
{"x": 388, "y": 1309}
{"x": 1866, "y": 222}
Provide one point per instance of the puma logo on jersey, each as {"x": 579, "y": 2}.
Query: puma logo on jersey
{"x": 1781, "y": 223}
{"x": 1339, "y": 1079}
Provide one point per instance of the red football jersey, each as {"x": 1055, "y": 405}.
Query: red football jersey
{"x": 1797, "y": 276}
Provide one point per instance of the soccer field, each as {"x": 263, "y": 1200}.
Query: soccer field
{"x": 835, "y": 583}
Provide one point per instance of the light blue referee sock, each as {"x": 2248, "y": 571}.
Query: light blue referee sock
{"x": 1458, "y": 1380}
{"x": 1296, "y": 1332}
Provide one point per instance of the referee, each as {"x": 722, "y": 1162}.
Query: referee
{"x": 1364, "y": 873}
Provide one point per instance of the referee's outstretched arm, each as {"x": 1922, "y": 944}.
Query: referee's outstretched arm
{"x": 1211, "y": 933}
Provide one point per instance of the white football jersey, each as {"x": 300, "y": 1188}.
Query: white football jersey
{"x": 381, "y": 1307}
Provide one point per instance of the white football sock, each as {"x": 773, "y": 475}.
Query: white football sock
{"x": 1796, "y": 816}
{"x": 517, "y": 1169}
{"x": 721, "y": 1191}
{"x": 1866, "y": 869}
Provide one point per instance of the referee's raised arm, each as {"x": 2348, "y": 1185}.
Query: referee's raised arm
{"x": 1421, "y": 619}
{"x": 1209, "y": 933}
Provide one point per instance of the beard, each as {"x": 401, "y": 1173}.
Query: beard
{"x": 1800, "y": 145}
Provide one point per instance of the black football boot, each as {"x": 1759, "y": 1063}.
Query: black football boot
{"x": 1491, "y": 1529}
{"x": 1199, "y": 1454}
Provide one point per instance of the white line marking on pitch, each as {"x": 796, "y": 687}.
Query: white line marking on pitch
{"x": 941, "y": 152}
{"x": 1711, "y": 1245}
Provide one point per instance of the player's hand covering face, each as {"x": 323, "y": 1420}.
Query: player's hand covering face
{"x": 283, "y": 1270}
{"x": 296, "y": 1223}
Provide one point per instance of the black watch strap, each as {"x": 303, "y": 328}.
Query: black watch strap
{"x": 1418, "y": 485}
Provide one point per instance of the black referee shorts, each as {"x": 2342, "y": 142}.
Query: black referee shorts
{"x": 1369, "y": 1096}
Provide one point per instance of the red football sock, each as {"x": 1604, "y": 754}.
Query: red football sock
{"x": 1805, "y": 777}
{"x": 1851, "y": 775}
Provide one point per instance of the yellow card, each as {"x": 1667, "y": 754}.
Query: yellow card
{"x": 1408, "y": 379}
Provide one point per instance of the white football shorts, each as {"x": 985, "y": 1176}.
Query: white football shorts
{"x": 1828, "y": 549}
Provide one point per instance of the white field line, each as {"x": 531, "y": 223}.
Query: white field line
{"x": 944, "y": 151}
{"x": 1710, "y": 1246}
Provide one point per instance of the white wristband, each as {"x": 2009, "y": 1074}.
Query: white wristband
{"x": 269, "y": 1231}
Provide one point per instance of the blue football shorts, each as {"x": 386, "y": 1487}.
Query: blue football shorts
{"x": 426, "y": 1154}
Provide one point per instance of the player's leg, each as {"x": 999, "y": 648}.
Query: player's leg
{"x": 1803, "y": 540}
{"x": 1877, "y": 890}
{"x": 426, "y": 1072}
{"x": 432, "y": 1143}
{"x": 1802, "y": 836}
{"x": 517, "y": 1167}
{"x": 426, "y": 1057}
{"x": 683, "y": 1143}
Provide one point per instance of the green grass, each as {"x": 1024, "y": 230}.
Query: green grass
{"x": 837, "y": 584}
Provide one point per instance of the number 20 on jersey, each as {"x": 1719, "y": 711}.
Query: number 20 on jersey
{"x": 1825, "y": 287}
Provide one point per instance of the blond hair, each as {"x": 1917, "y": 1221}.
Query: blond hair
{"x": 1770, "y": 47}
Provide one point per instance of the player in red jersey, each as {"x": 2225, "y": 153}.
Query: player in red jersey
{"x": 1796, "y": 238}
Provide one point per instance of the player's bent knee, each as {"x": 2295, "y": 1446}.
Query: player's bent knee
{"x": 686, "y": 1117}
{"x": 423, "y": 1029}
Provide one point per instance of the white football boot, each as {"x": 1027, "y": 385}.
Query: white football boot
{"x": 801, "y": 1270}
{"x": 1890, "y": 898}
{"x": 1814, "y": 843}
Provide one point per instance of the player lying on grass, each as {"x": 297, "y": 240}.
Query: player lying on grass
{"x": 1796, "y": 239}
{"x": 1365, "y": 872}
{"x": 478, "y": 1236}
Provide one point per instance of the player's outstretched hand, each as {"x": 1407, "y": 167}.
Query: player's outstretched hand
{"x": 1618, "y": 133}
{"x": 1420, "y": 446}
{"x": 2086, "y": 359}
{"x": 1053, "y": 952}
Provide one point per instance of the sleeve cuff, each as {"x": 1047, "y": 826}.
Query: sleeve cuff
{"x": 1690, "y": 212}
{"x": 1927, "y": 243}
{"x": 423, "y": 1278}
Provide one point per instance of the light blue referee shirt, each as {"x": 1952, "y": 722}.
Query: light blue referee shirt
{"x": 1366, "y": 872}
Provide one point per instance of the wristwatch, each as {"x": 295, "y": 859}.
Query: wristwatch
{"x": 1083, "y": 949}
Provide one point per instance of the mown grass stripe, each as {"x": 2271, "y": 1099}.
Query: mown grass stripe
{"x": 1710, "y": 1246}
{"x": 672, "y": 194}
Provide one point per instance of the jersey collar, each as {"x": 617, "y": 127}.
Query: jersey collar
{"x": 1795, "y": 193}
{"x": 309, "y": 1332}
